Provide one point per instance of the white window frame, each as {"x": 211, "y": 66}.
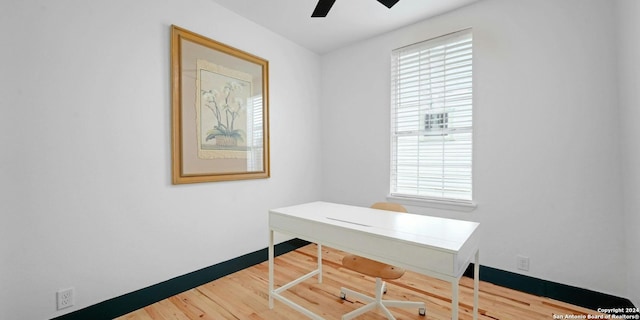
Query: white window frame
{"x": 432, "y": 123}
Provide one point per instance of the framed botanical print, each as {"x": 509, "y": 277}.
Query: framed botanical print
{"x": 220, "y": 111}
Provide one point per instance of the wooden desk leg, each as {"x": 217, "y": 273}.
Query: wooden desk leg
{"x": 271, "y": 257}
{"x": 454, "y": 299}
{"x": 319, "y": 263}
{"x": 476, "y": 284}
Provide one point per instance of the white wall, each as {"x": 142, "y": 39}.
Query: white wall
{"x": 85, "y": 192}
{"x": 86, "y": 199}
{"x": 628, "y": 16}
{"x": 546, "y": 178}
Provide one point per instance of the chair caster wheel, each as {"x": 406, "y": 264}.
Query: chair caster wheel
{"x": 422, "y": 311}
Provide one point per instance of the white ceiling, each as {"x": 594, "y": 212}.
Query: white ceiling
{"x": 347, "y": 22}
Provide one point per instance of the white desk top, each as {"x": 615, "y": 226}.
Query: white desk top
{"x": 438, "y": 233}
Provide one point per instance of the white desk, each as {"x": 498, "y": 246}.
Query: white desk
{"x": 437, "y": 247}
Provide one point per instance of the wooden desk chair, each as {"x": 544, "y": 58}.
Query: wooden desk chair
{"x": 380, "y": 271}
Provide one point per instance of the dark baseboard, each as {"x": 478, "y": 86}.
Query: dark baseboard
{"x": 573, "y": 295}
{"x": 129, "y": 302}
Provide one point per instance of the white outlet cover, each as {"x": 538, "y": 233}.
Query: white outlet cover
{"x": 65, "y": 298}
{"x": 522, "y": 263}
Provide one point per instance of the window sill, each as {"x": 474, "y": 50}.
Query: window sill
{"x": 464, "y": 206}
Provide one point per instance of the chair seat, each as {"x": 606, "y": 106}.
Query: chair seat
{"x": 372, "y": 268}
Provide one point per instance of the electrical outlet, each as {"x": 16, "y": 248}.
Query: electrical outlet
{"x": 523, "y": 263}
{"x": 65, "y": 298}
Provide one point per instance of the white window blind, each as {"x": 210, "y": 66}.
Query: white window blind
{"x": 255, "y": 138}
{"x": 431, "y": 119}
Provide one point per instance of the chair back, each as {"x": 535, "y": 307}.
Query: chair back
{"x": 389, "y": 206}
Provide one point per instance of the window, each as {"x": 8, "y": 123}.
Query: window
{"x": 255, "y": 137}
{"x": 431, "y": 119}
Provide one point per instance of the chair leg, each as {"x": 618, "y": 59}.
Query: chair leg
{"x": 378, "y": 302}
{"x": 344, "y": 292}
{"x": 360, "y": 311}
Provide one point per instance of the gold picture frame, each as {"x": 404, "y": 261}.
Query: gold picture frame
{"x": 220, "y": 111}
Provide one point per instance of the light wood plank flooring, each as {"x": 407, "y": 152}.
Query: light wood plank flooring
{"x": 243, "y": 295}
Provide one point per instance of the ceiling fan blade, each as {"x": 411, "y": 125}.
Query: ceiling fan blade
{"x": 388, "y": 3}
{"x": 322, "y": 8}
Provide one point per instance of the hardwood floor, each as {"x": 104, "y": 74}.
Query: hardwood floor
{"x": 243, "y": 295}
